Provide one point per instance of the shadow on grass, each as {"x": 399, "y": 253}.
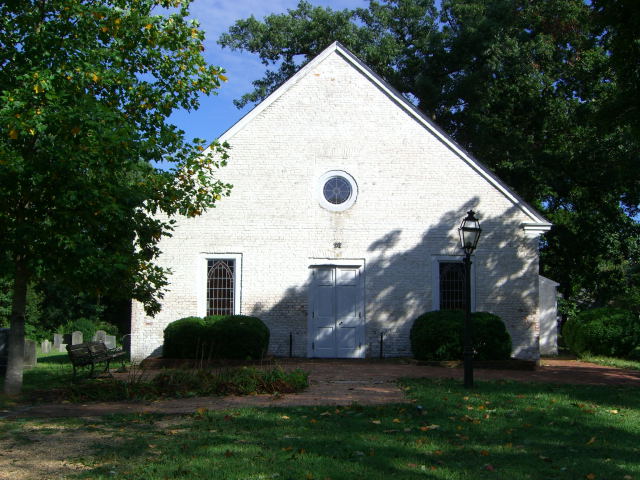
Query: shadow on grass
{"x": 57, "y": 358}
{"x": 499, "y": 430}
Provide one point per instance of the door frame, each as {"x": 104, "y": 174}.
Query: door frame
{"x": 358, "y": 263}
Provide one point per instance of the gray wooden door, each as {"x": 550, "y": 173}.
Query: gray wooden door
{"x": 337, "y": 323}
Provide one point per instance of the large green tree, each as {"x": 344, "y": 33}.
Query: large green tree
{"x": 86, "y": 89}
{"x": 534, "y": 89}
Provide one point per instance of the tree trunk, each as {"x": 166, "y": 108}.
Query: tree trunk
{"x": 15, "y": 362}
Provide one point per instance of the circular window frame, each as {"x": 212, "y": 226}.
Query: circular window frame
{"x": 336, "y": 207}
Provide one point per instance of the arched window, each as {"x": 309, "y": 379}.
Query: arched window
{"x": 220, "y": 286}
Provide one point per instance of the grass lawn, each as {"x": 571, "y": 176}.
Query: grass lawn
{"x": 500, "y": 430}
{"x": 612, "y": 362}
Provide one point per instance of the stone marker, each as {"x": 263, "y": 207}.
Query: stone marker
{"x": 57, "y": 340}
{"x": 45, "y": 346}
{"x": 100, "y": 336}
{"x": 110, "y": 341}
{"x": 66, "y": 338}
{"x": 62, "y": 348}
{"x": 76, "y": 337}
{"x": 30, "y": 358}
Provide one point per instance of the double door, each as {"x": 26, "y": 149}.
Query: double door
{"x": 337, "y": 317}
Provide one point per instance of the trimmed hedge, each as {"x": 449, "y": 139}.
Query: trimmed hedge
{"x": 216, "y": 337}
{"x": 438, "y": 335}
{"x": 183, "y": 337}
{"x": 605, "y": 331}
{"x": 238, "y": 336}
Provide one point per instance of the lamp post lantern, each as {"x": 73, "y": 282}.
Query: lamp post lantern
{"x": 469, "y": 234}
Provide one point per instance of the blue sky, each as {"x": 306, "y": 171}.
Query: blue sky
{"x": 217, "y": 112}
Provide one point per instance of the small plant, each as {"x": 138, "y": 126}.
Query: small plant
{"x": 181, "y": 383}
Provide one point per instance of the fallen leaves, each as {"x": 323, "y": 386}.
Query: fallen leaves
{"x": 426, "y": 428}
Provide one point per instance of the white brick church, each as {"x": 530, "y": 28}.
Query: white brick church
{"x": 342, "y": 223}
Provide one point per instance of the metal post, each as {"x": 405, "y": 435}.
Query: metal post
{"x": 381, "y": 344}
{"x": 290, "y": 344}
{"x": 468, "y": 345}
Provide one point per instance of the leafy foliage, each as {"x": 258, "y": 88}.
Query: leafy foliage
{"x": 238, "y": 336}
{"x": 88, "y": 328}
{"x": 544, "y": 93}
{"x": 214, "y": 337}
{"x": 87, "y": 88}
{"x": 438, "y": 335}
{"x": 183, "y": 337}
{"x": 603, "y": 331}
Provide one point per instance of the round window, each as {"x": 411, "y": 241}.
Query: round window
{"x": 337, "y": 190}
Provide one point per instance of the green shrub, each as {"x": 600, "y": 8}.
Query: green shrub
{"x": 214, "y": 337}
{"x": 88, "y": 327}
{"x": 238, "y": 336}
{"x": 183, "y": 337}
{"x": 438, "y": 335}
{"x": 491, "y": 341}
{"x": 603, "y": 331}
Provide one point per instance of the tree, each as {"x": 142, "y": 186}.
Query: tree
{"x": 531, "y": 88}
{"x": 86, "y": 91}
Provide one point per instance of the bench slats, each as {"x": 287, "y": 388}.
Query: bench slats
{"x": 92, "y": 353}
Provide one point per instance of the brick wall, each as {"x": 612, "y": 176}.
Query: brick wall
{"x": 413, "y": 191}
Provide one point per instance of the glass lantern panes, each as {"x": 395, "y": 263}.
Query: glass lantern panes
{"x": 337, "y": 190}
{"x": 452, "y": 286}
{"x": 220, "y": 286}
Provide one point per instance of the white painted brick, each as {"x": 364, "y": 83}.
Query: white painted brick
{"x": 413, "y": 193}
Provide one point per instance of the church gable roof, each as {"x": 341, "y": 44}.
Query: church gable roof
{"x": 538, "y": 223}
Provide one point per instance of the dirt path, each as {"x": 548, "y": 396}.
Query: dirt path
{"x": 339, "y": 382}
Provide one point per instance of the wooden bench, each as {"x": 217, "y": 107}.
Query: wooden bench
{"x": 92, "y": 353}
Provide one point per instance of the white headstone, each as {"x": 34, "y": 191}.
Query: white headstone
{"x": 30, "y": 358}
{"x": 76, "y": 337}
{"x": 57, "y": 340}
{"x": 100, "y": 336}
{"x": 45, "y": 346}
{"x": 110, "y": 341}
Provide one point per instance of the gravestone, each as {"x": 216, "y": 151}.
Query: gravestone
{"x": 66, "y": 339}
{"x": 57, "y": 340}
{"x": 45, "y": 346}
{"x": 30, "y": 358}
{"x": 76, "y": 337}
{"x": 100, "y": 336}
{"x": 62, "y": 348}
{"x": 110, "y": 341}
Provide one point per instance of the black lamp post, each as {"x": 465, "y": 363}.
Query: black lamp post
{"x": 469, "y": 234}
